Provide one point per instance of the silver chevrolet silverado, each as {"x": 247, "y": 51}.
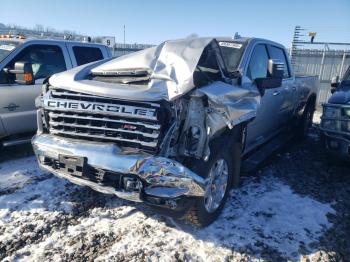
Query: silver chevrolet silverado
{"x": 171, "y": 125}
{"x": 24, "y": 64}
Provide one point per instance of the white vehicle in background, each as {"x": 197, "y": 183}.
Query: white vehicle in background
{"x": 24, "y": 65}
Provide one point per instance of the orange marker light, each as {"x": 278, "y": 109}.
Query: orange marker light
{"x": 28, "y": 77}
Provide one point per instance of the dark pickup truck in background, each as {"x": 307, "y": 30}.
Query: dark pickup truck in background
{"x": 171, "y": 125}
{"x": 335, "y": 121}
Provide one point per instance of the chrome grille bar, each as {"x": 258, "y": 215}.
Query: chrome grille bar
{"x": 117, "y": 130}
{"x": 77, "y": 134}
{"x": 107, "y": 119}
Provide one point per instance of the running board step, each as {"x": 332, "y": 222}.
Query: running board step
{"x": 16, "y": 141}
{"x": 264, "y": 152}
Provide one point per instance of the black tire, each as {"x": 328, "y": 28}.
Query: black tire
{"x": 229, "y": 152}
{"x": 305, "y": 121}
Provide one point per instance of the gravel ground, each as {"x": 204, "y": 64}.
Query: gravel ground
{"x": 295, "y": 207}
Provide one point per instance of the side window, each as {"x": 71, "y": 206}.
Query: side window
{"x": 46, "y": 60}
{"x": 207, "y": 69}
{"x": 85, "y": 55}
{"x": 278, "y": 53}
{"x": 257, "y": 67}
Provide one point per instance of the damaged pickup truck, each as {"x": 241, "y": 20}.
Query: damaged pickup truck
{"x": 170, "y": 125}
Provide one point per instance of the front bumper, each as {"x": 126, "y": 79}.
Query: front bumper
{"x": 130, "y": 175}
{"x": 336, "y": 143}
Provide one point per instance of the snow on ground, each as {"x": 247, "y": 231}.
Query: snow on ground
{"x": 317, "y": 116}
{"x": 15, "y": 174}
{"x": 46, "y": 218}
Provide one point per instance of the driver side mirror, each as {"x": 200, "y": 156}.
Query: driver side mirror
{"x": 23, "y": 73}
{"x": 275, "y": 70}
{"x": 334, "y": 84}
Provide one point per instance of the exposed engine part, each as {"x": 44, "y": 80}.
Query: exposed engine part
{"x": 194, "y": 135}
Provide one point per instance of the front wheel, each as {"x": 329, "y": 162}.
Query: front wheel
{"x": 221, "y": 172}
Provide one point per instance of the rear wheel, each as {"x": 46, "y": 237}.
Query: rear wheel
{"x": 305, "y": 121}
{"x": 221, "y": 171}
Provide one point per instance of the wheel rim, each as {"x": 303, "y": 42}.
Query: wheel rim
{"x": 216, "y": 187}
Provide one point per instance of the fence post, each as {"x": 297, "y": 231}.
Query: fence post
{"x": 342, "y": 64}
{"x": 322, "y": 63}
{"x": 320, "y": 78}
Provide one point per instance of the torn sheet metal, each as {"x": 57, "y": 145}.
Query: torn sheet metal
{"x": 229, "y": 105}
{"x": 168, "y": 178}
{"x": 171, "y": 64}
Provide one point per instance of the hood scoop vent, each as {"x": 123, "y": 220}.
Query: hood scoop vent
{"x": 135, "y": 76}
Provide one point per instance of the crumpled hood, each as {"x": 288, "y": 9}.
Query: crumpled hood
{"x": 340, "y": 97}
{"x": 171, "y": 66}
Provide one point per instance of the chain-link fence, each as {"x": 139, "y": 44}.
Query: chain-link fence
{"x": 324, "y": 63}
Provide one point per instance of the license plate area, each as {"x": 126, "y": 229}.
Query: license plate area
{"x": 76, "y": 166}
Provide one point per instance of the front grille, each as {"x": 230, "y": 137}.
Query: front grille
{"x": 126, "y": 131}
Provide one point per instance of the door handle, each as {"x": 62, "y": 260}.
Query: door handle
{"x": 276, "y": 93}
{"x": 11, "y": 107}
{"x": 294, "y": 88}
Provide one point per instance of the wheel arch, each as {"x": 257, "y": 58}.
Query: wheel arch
{"x": 311, "y": 100}
{"x": 227, "y": 134}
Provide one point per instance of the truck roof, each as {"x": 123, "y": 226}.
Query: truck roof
{"x": 229, "y": 38}
{"x": 43, "y": 41}
{"x": 248, "y": 39}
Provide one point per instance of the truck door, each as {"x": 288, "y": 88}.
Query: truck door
{"x": 288, "y": 90}
{"x": 266, "y": 124}
{"x": 17, "y": 102}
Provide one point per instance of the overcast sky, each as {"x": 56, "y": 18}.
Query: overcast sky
{"x": 155, "y": 21}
